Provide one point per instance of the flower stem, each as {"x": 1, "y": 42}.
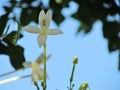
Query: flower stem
{"x": 36, "y": 84}
{"x": 44, "y": 85}
{"x": 13, "y": 79}
{"x": 5, "y": 74}
{"x": 71, "y": 78}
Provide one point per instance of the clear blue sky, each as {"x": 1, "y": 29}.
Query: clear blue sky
{"x": 96, "y": 65}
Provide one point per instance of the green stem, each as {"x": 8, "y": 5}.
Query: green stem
{"x": 13, "y": 79}
{"x": 36, "y": 84}
{"x": 44, "y": 86}
{"x": 71, "y": 78}
{"x": 4, "y": 35}
{"x": 5, "y": 74}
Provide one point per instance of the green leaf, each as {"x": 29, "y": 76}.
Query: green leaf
{"x": 15, "y": 52}
{"x": 27, "y": 1}
{"x": 16, "y": 56}
{"x": 111, "y": 29}
{"x": 84, "y": 27}
{"x": 11, "y": 38}
{"x": 57, "y": 16}
{"x": 3, "y": 21}
{"x": 113, "y": 43}
{"x": 29, "y": 14}
{"x": 6, "y": 31}
{"x": 111, "y": 32}
{"x": 18, "y": 32}
{"x": 3, "y": 49}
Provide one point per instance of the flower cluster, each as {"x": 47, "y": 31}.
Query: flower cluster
{"x": 44, "y": 20}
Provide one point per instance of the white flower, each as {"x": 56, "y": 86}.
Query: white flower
{"x": 44, "y": 21}
{"x": 37, "y": 72}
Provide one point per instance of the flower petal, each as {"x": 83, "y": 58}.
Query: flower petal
{"x": 44, "y": 19}
{"x": 41, "y": 18}
{"x": 48, "y": 57}
{"x": 31, "y": 29}
{"x": 41, "y": 40}
{"x": 34, "y": 77}
{"x": 37, "y": 74}
{"x": 48, "y": 18}
{"x": 40, "y": 74}
{"x": 54, "y": 32}
{"x": 40, "y": 59}
{"x": 27, "y": 64}
{"x": 41, "y": 15}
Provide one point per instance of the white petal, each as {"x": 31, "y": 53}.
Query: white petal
{"x": 40, "y": 74}
{"x": 37, "y": 74}
{"x": 44, "y": 19}
{"x": 31, "y": 29}
{"x": 54, "y": 32}
{"x": 27, "y": 64}
{"x": 34, "y": 76}
{"x": 41, "y": 15}
{"x": 48, "y": 57}
{"x": 40, "y": 59}
{"x": 41, "y": 40}
{"x": 41, "y": 18}
{"x": 48, "y": 18}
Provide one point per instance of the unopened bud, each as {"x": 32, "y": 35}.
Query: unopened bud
{"x": 84, "y": 86}
{"x": 75, "y": 60}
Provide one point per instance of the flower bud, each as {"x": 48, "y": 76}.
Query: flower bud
{"x": 84, "y": 86}
{"x": 75, "y": 60}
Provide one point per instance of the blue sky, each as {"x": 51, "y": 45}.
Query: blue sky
{"x": 96, "y": 65}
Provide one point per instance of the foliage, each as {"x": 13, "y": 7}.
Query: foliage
{"x": 88, "y": 12}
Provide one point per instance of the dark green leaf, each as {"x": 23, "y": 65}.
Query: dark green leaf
{"x": 30, "y": 14}
{"x": 6, "y": 31}
{"x": 7, "y": 9}
{"x": 113, "y": 43}
{"x": 17, "y": 32}
{"x": 11, "y": 38}
{"x": 84, "y": 27}
{"x": 27, "y": 1}
{"x": 58, "y": 17}
{"x": 16, "y": 56}
{"x": 111, "y": 29}
{"x": 111, "y": 32}
{"x": 3, "y": 21}
{"x": 3, "y": 49}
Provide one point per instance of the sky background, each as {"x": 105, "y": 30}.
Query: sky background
{"x": 96, "y": 65}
